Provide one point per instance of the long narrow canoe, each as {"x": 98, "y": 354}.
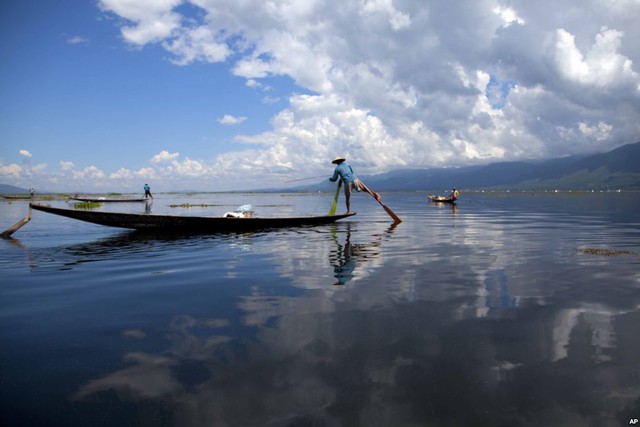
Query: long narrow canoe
{"x": 18, "y": 197}
{"x": 105, "y": 199}
{"x": 195, "y": 224}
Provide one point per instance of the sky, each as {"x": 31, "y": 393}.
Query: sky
{"x": 219, "y": 95}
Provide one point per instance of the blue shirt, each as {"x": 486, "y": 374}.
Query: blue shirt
{"x": 345, "y": 172}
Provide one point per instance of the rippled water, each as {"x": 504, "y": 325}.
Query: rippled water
{"x": 509, "y": 309}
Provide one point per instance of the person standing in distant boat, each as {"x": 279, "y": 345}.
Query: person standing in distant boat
{"x": 344, "y": 171}
{"x": 454, "y": 195}
{"x": 147, "y": 191}
{"x": 32, "y": 192}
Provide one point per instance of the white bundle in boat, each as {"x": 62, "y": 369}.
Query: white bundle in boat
{"x": 243, "y": 211}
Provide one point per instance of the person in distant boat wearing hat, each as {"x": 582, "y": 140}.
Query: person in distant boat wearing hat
{"x": 345, "y": 172}
{"x": 147, "y": 191}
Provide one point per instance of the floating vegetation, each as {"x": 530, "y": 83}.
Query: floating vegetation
{"x": 189, "y": 205}
{"x": 607, "y": 252}
{"x": 87, "y": 205}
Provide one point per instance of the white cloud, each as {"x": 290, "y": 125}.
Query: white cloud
{"x": 12, "y": 171}
{"x": 77, "y": 40}
{"x": 153, "y": 20}
{"x": 270, "y": 100}
{"x": 164, "y": 156}
{"x": 39, "y": 168}
{"x": 508, "y": 15}
{"x": 25, "y": 153}
{"x": 252, "y": 83}
{"x": 229, "y": 120}
{"x": 122, "y": 173}
{"x": 88, "y": 173}
{"x": 66, "y": 166}
{"x": 602, "y": 66}
{"x": 600, "y": 131}
{"x": 148, "y": 173}
{"x": 197, "y": 44}
{"x": 191, "y": 168}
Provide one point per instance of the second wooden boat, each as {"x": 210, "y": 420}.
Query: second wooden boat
{"x": 106, "y": 199}
{"x": 440, "y": 199}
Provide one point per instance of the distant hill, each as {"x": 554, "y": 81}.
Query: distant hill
{"x": 617, "y": 169}
{"x": 10, "y": 189}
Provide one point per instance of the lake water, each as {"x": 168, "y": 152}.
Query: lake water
{"x": 507, "y": 310}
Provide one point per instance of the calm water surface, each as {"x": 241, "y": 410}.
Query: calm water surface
{"x": 509, "y": 310}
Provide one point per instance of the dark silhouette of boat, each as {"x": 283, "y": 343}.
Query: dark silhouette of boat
{"x": 17, "y": 196}
{"x": 106, "y": 199}
{"x": 192, "y": 224}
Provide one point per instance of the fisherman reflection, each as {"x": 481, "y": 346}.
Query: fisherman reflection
{"x": 147, "y": 206}
{"x": 346, "y": 257}
{"x": 343, "y": 260}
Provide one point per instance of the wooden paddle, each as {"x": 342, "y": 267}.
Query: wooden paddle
{"x": 15, "y": 227}
{"x": 392, "y": 214}
{"x": 334, "y": 205}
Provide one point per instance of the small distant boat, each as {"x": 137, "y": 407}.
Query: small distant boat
{"x": 192, "y": 224}
{"x": 17, "y": 196}
{"x": 106, "y": 199}
{"x": 440, "y": 199}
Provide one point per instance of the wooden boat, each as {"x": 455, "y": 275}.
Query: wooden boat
{"x": 105, "y": 199}
{"x": 440, "y": 199}
{"x": 193, "y": 224}
{"x": 17, "y": 197}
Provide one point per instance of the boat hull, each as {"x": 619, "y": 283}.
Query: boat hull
{"x": 192, "y": 224}
{"x": 18, "y": 197}
{"x": 104, "y": 200}
{"x": 440, "y": 199}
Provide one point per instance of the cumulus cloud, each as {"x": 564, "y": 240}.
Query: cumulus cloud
{"x": 26, "y": 154}
{"x": 229, "y": 120}
{"x": 397, "y": 83}
{"x": 148, "y": 173}
{"x": 508, "y": 15}
{"x": 164, "y": 156}
{"x": 197, "y": 44}
{"x": 600, "y": 131}
{"x": 191, "y": 168}
{"x": 66, "y": 166}
{"x": 602, "y": 66}
{"x": 147, "y": 20}
{"x": 88, "y": 173}
{"x": 10, "y": 171}
{"x": 122, "y": 173}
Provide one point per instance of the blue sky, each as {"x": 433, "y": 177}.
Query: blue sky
{"x": 216, "y": 95}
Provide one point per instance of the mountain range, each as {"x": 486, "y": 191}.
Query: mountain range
{"x": 616, "y": 169}
{"x": 12, "y": 189}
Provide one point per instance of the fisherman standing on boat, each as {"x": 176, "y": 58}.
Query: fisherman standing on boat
{"x": 345, "y": 172}
{"x": 454, "y": 195}
{"x": 147, "y": 191}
